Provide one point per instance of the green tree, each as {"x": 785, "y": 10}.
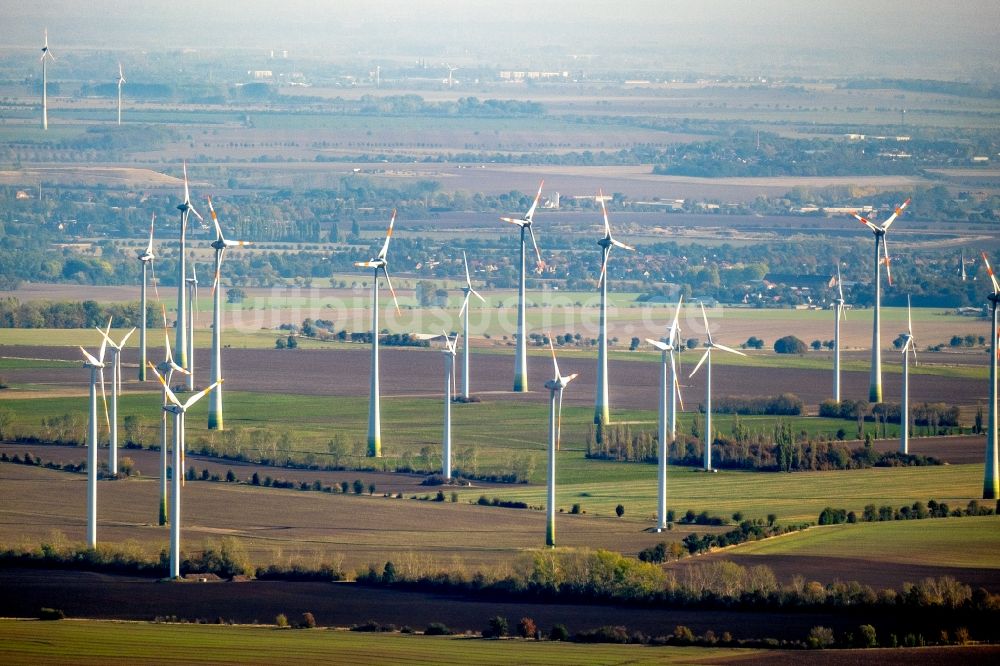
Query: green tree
{"x": 620, "y": 510}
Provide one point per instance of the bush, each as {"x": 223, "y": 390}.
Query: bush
{"x": 51, "y": 614}
{"x": 308, "y": 621}
{"x": 605, "y": 634}
{"x": 281, "y": 621}
{"x": 575, "y": 509}
{"x": 437, "y": 629}
{"x": 498, "y": 627}
{"x": 526, "y": 628}
{"x": 867, "y": 637}
{"x": 683, "y": 635}
{"x": 620, "y": 510}
{"x": 559, "y": 633}
{"x": 789, "y": 345}
{"x": 819, "y": 638}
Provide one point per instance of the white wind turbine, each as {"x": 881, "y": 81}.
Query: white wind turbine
{"x": 167, "y": 367}
{"x": 220, "y": 245}
{"x": 991, "y": 477}
{"x": 521, "y": 350}
{"x": 96, "y": 366}
{"x": 668, "y": 409}
{"x": 179, "y": 410}
{"x": 146, "y": 259}
{"x": 121, "y": 80}
{"x": 451, "y": 71}
{"x": 449, "y": 365}
{"x": 555, "y": 386}
{"x": 378, "y": 263}
{"x": 464, "y": 312}
{"x": 180, "y": 335}
{"x": 909, "y": 347}
{"x": 875, "y": 381}
{"x": 116, "y": 388}
{"x": 602, "y": 411}
{"x": 192, "y": 297}
{"x": 46, "y": 54}
{"x": 838, "y": 314}
{"x": 708, "y": 385}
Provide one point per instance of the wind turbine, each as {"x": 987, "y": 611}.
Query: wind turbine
{"x": 121, "y": 80}
{"x": 180, "y": 337}
{"x": 708, "y": 386}
{"x": 220, "y": 245}
{"x": 146, "y": 259}
{"x": 555, "y": 386}
{"x": 668, "y": 410}
{"x": 167, "y": 367}
{"x": 601, "y": 408}
{"x": 46, "y": 53}
{"x": 96, "y": 366}
{"x": 521, "y": 353}
{"x": 116, "y": 387}
{"x": 909, "y": 346}
{"x": 449, "y": 364}
{"x": 838, "y": 314}
{"x": 469, "y": 291}
{"x": 991, "y": 478}
{"x": 451, "y": 70}
{"x": 875, "y": 381}
{"x": 192, "y": 296}
{"x": 179, "y": 410}
{"x": 378, "y": 263}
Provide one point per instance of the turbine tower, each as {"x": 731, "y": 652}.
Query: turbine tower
{"x": 180, "y": 336}
{"x": 875, "y": 381}
{"x": 46, "y": 54}
{"x": 909, "y": 346}
{"x": 555, "y": 386}
{"x": 220, "y": 245}
{"x": 449, "y": 365}
{"x": 121, "y": 80}
{"x": 146, "y": 259}
{"x": 192, "y": 296}
{"x": 708, "y": 386}
{"x": 838, "y": 314}
{"x": 668, "y": 410}
{"x": 116, "y": 388}
{"x": 179, "y": 410}
{"x": 991, "y": 477}
{"x": 464, "y": 312}
{"x": 167, "y": 367}
{"x": 378, "y": 263}
{"x": 521, "y": 351}
{"x": 96, "y": 366}
{"x": 601, "y": 408}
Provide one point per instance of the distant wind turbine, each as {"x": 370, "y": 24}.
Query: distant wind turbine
{"x": 708, "y": 386}
{"x": 116, "y": 388}
{"x": 96, "y": 366}
{"x": 880, "y": 230}
{"x": 220, "y": 245}
{"x": 46, "y": 55}
{"x": 180, "y": 336}
{"x": 179, "y": 410}
{"x": 146, "y": 259}
{"x": 668, "y": 409}
{"x": 192, "y": 296}
{"x": 449, "y": 365}
{"x": 555, "y": 386}
{"x": 838, "y": 314}
{"x": 521, "y": 351}
{"x": 991, "y": 477}
{"x": 167, "y": 368}
{"x": 602, "y": 410}
{"x": 121, "y": 80}
{"x": 378, "y": 263}
{"x": 464, "y": 312}
{"x": 909, "y": 347}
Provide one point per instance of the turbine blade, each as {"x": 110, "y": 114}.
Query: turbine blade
{"x": 218, "y": 269}
{"x": 389, "y": 283}
{"x": 513, "y": 220}
{"x": 465, "y": 304}
{"x": 865, "y": 221}
{"x": 107, "y": 340}
{"x": 677, "y": 381}
{"x": 149, "y": 246}
{"x": 728, "y": 349}
{"x": 104, "y": 397}
{"x": 152, "y": 276}
{"x": 888, "y": 266}
{"x": 538, "y": 255}
{"x": 604, "y": 210}
{"x": 477, "y": 295}
{"x": 659, "y": 345}
{"x": 618, "y": 243}
{"x": 895, "y": 214}
{"x": 555, "y": 363}
{"x": 215, "y": 221}
{"x": 909, "y": 319}
{"x": 201, "y": 394}
{"x": 989, "y": 271}
{"x": 368, "y": 264}
{"x": 675, "y": 329}
{"x": 104, "y": 342}
{"x": 559, "y": 421}
{"x": 187, "y": 191}
{"x": 604, "y": 267}
{"x": 90, "y": 359}
{"x": 388, "y": 236}
{"x": 468, "y": 279}
{"x": 840, "y": 284}
{"x": 705, "y": 319}
{"x": 529, "y": 216}
{"x": 125, "y": 339}
{"x": 166, "y": 387}
{"x": 700, "y": 361}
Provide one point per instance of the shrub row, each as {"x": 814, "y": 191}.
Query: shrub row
{"x": 916, "y": 511}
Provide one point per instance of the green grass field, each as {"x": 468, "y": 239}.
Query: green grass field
{"x": 101, "y": 642}
{"x": 960, "y": 542}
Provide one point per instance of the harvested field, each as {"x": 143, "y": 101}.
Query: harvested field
{"x": 108, "y": 176}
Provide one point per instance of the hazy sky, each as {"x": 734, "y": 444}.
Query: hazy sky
{"x": 881, "y": 37}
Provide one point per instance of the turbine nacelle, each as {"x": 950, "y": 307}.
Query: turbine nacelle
{"x": 607, "y": 241}
{"x": 525, "y": 222}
